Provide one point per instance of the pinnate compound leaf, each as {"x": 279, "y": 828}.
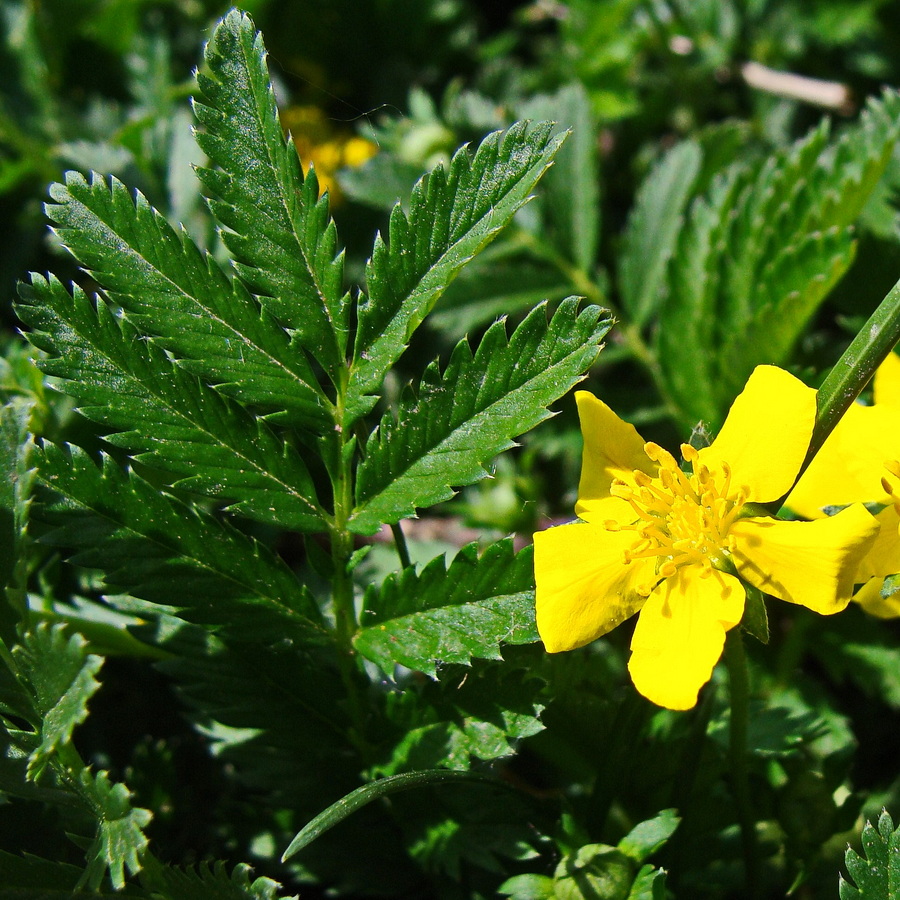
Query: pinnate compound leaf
{"x": 452, "y": 215}
{"x": 877, "y": 876}
{"x": 213, "y": 882}
{"x": 60, "y": 675}
{"x": 653, "y": 227}
{"x": 279, "y": 231}
{"x": 445, "y": 433}
{"x": 163, "y": 415}
{"x": 182, "y": 298}
{"x": 159, "y": 549}
{"x": 120, "y": 837}
{"x": 450, "y": 613}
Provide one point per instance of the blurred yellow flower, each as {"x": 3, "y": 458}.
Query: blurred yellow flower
{"x": 675, "y": 546}
{"x": 857, "y": 464}
{"x": 326, "y": 148}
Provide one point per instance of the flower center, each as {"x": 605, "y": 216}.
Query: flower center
{"x": 681, "y": 519}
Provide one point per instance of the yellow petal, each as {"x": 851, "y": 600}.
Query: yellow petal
{"x": 887, "y": 381}
{"x": 612, "y": 449}
{"x": 850, "y": 465}
{"x": 766, "y": 434}
{"x": 583, "y": 586}
{"x": 680, "y": 634}
{"x": 810, "y": 563}
{"x": 883, "y": 558}
{"x": 870, "y": 599}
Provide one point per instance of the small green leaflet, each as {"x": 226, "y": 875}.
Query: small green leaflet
{"x": 877, "y": 875}
{"x": 448, "y": 429}
{"x": 450, "y": 613}
{"x": 453, "y": 214}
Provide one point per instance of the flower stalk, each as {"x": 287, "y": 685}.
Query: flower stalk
{"x": 853, "y": 371}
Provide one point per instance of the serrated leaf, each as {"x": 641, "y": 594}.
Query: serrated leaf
{"x": 279, "y": 231}
{"x": 758, "y": 256}
{"x": 16, "y": 479}
{"x": 877, "y": 875}
{"x": 445, "y": 433}
{"x": 60, "y": 675}
{"x": 163, "y": 415}
{"x": 31, "y": 873}
{"x": 450, "y": 613}
{"x": 156, "y": 547}
{"x": 213, "y": 882}
{"x": 480, "y": 714}
{"x": 653, "y": 227}
{"x": 120, "y": 837}
{"x": 570, "y": 191}
{"x": 182, "y": 297}
{"x": 452, "y": 215}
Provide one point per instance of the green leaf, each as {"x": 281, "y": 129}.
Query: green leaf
{"x": 757, "y": 257}
{"x": 43, "y": 878}
{"x": 182, "y": 297}
{"x": 649, "y": 884}
{"x": 16, "y": 479}
{"x": 877, "y": 876}
{"x": 373, "y": 791}
{"x": 60, "y": 674}
{"x": 212, "y": 882}
{"x": 450, "y": 613}
{"x": 279, "y": 231}
{"x": 570, "y": 191}
{"x": 481, "y": 712}
{"x": 647, "y": 837}
{"x": 120, "y": 837}
{"x": 156, "y": 547}
{"x": 165, "y": 416}
{"x": 653, "y": 228}
{"x": 527, "y": 887}
{"x": 445, "y": 433}
{"x": 452, "y": 215}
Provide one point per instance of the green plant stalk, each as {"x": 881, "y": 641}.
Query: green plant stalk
{"x": 853, "y": 371}
{"x": 738, "y": 689}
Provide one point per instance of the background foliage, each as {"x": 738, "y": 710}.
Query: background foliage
{"x": 211, "y": 632}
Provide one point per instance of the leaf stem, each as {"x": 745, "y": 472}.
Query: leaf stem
{"x": 739, "y": 690}
{"x": 400, "y": 543}
{"x": 853, "y": 371}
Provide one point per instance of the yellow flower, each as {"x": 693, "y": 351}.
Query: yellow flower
{"x": 675, "y": 546}
{"x": 857, "y": 464}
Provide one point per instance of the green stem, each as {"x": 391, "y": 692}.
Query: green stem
{"x": 855, "y": 368}
{"x": 400, "y": 544}
{"x": 739, "y": 690}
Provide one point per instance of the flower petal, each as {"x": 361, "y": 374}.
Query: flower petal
{"x": 766, "y": 434}
{"x": 887, "y": 381}
{"x": 612, "y": 449}
{"x": 584, "y": 588}
{"x": 870, "y": 598}
{"x": 883, "y": 558}
{"x": 680, "y": 634}
{"x": 850, "y": 465}
{"x": 810, "y": 563}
